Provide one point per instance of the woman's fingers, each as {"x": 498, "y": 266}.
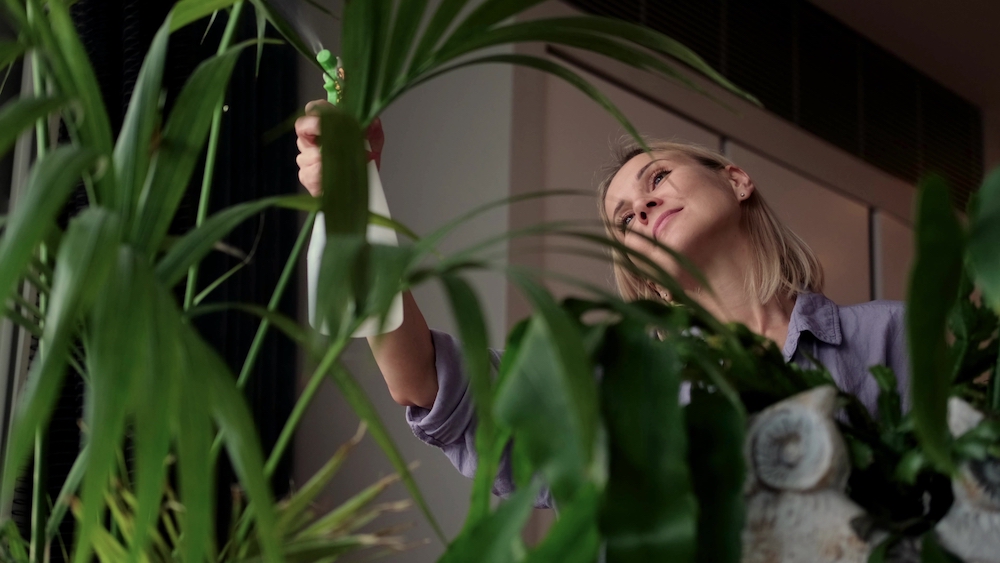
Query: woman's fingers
{"x": 312, "y": 105}
{"x": 310, "y": 177}
{"x": 307, "y": 127}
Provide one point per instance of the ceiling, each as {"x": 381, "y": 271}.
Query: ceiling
{"x": 956, "y": 42}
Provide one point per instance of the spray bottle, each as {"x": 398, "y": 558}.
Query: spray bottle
{"x": 333, "y": 84}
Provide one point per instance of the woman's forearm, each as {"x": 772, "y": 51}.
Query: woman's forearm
{"x": 406, "y": 358}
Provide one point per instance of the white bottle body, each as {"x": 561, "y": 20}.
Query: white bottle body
{"x": 376, "y": 234}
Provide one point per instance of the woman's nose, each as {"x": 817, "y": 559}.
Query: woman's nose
{"x": 649, "y": 204}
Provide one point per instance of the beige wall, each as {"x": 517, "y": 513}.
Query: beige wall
{"x": 834, "y": 226}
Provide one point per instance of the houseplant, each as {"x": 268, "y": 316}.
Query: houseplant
{"x": 115, "y": 253}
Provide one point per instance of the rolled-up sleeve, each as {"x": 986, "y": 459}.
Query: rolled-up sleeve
{"x": 450, "y": 423}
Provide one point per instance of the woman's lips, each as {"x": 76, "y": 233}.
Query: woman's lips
{"x": 662, "y": 220}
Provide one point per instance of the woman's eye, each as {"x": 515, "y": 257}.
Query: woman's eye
{"x": 625, "y": 220}
{"x": 659, "y": 176}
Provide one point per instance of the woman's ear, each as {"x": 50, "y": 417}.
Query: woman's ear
{"x": 739, "y": 181}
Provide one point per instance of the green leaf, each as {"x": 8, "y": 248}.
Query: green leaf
{"x": 554, "y": 69}
{"x": 442, "y": 19}
{"x": 489, "y": 13}
{"x": 365, "y": 410}
{"x": 717, "y": 474}
{"x": 933, "y": 288}
{"x": 654, "y": 40}
{"x": 157, "y": 396}
{"x": 492, "y": 539}
{"x": 231, "y": 414}
{"x": 52, "y": 179}
{"x": 339, "y": 517}
{"x": 574, "y": 538}
{"x": 304, "y": 497}
{"x": 287, "y": 31}
{"x": 387, "y": 268}
{"x": 554, "y": 423}
{"x": 361, "y": 45}
{"x": 83, "y": 263}
{"x": 198, "y": 242}
{"x": 187, "y": 12}
{"x": 10, "y": 52}
{"x": 890, "y": 411}
{"x": 345, "y": 172}
{"x": 181, "y": 143}
{"x": 131, "y": 157}
{"x": 404, "y": 30}
{"x": 932, "y": 552}
{"x": 261, "y": 35}
{"x": 468, "y": 313}
{"x": 984, "y": 239}
{"x": 649, "y": 511}
{"x": 336, "y": 291}
{"x": 117, "y": 357}
{"x": 68, "y": 490}
{"x": 18, "y": 115}
{"x": 92, "y": 122}
{"x": 564, "y": 33}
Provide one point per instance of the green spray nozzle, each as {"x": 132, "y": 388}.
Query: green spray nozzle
{"x": 333, "y": 79}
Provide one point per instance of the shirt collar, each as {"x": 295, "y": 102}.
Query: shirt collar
{"x": 814, "y": 313}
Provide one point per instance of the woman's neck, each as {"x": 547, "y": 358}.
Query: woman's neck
{"x": 732, "y": 302}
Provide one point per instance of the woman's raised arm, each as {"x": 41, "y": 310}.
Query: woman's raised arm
{"x": 406, "y": 355}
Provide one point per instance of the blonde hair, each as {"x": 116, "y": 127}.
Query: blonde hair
{"x": 782, "y": 262}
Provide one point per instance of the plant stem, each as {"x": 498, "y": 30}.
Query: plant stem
{"x": 213, "y": 146}
{"x": 39, "y": 507}
{"x": 332, "y": 355}
{"x": 315, "y": 380}
{"x": 272, "y": 305}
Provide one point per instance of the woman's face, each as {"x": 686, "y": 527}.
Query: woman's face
{"x": 680, "y": 203}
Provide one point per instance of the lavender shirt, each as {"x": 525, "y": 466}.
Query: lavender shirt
{"x": 847, "y": 340}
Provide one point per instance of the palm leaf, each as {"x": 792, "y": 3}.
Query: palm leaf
{"x": 933, "y": 289}
{"x": 550, "y": 67}
{"x": 984, "y": 239}
{"x": 131, "y": 157}
{"x": 198, "y": 242}
{"x": 18, "y": 115}
{"x": 649, "y": 510}
{"x": 157, "y": 396}
{"x": 574, "y": 538}
{"x": 363, "y": 406}
{"x": 117, "y": 356}
{"x": 716, "y": 431}
{"x": 84, "y": 261}
{"x": 10, "y": 51}
{"x": 93, "y": 123}
{"x": 472, "y": 328}
{"x": 303, "y": 498}
{"x": 442, "y": 19}
{"x": 186, "y": 12}
{"x": 230, "y": 412}
{"x": 404, "y": 30}
{"x": 182, "y": 140}
{"x": 493, "y": 539}
{"x": 539, "y": 401}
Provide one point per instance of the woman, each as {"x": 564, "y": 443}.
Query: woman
{"x": 700, "y": 204}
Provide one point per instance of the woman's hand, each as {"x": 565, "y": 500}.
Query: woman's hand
{"x": 310, "y": 164}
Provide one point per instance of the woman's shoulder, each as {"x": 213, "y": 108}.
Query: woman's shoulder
{"x": 873, "y": 323}
{"x": 857, "y": 324}
{"x": 874, "y": 313}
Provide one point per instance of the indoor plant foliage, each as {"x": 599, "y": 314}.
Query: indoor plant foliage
{"x": 630, "y": 483}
